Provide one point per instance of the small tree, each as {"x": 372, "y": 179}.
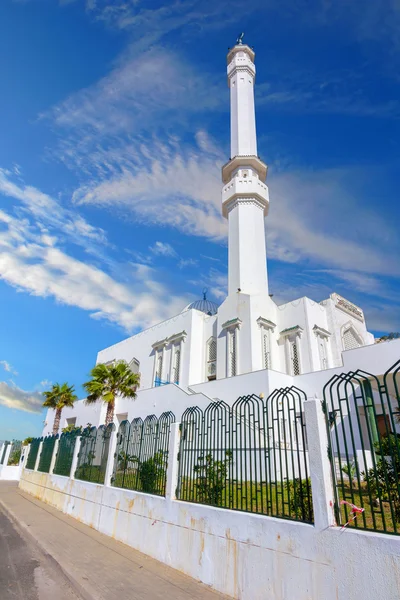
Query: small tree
{"x": 211, "y": 477}
{"x": 59, "y": 397}
{"x": 110, "y": 381}
{"x": 152, "y": 472}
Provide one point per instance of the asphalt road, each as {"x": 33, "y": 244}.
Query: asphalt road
{"x": 25, "y": 572}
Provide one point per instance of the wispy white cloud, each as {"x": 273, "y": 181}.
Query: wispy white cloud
{"x": 169, "y": 184}
{"x": 49, "y": 213}
{"x": 157, "y": 84}
{"x": 11, "y": 396}
{"x": 7, "y": 367}
{"x": 29, "y": 263}
{"x": 163, "y": 249}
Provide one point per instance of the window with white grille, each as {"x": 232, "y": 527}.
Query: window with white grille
{"x": 266, "y": 350}
{"x": 322, "y": 353}
{"x": 211, "y": 358}
{"x": 233, "y": 352}
{"x": 159, "y": 365}
{"x": 294, "y": 357}
{"x": 350, "y": 340}
{"x": 177, "y": 365}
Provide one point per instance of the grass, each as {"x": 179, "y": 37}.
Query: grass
{"x": 93, "y": 474}
{"x": 131, "y": 481}
{"x": 273, "y": 499}
{"x": 377, "y": 518}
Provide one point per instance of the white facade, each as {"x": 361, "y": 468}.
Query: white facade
{"x": 207, "y": 347}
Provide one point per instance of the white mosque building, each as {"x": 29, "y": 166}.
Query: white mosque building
{"x": 248, "y": 344}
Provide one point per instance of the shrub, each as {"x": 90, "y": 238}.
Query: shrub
{"x": 151, "y": 472}
{"x": 300, "y": 499}
{"x": 15, "y": 457}
{"x": 211, "y": 478}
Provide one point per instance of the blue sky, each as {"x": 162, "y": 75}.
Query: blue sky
{"x": 114, "y": 123}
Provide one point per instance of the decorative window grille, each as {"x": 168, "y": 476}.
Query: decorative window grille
{"x": 266, "y": 350}
{"x": 350, "y": 340}
{"x": 295, "y": 358}
{"x": 211, "y": 358}
{"x": 159, "y": 365}
{"x": 177, "y": 365}
{"x": 233, "y": 352}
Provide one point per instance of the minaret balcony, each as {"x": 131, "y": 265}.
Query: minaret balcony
{"x": 236, "y": 162}
{"x": 246, "y": 188}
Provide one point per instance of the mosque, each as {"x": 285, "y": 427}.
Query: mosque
{"x": 248, "y": 344}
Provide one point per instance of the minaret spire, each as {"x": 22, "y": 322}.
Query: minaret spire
{"x": 244, "y": 196}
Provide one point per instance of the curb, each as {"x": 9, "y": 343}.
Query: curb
{"x": 76, "y": 585}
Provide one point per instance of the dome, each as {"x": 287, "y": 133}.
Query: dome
{"x": 204, "y": 305}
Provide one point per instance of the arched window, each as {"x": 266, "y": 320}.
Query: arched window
{"x": 233, "y": 352}
{"x": 351, "y": 338}
{"x": 266, "y": 349}
{"x": 322, "y": 352}
{"x": 176, "y": 364}
{"x": 159, "y": 363}
{"x": 211, "y": 366}
{"x": 294, "y": 357}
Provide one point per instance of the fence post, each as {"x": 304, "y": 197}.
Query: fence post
{"x": 7, "y": 454}
{"x": 75, "y": 457}
{"x": 24, "y": 455}
{"x": 111, "y": 455}
{"x": 38, "y": 456}
{"x": 320, "y": 468}
{"x": 54, "y": 456}
{"x": 172, "y": 470}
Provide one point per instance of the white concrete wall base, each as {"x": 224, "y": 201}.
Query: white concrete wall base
{"x": 246, "y": 556}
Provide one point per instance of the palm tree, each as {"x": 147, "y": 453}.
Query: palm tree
{"x": 110, "y": 381}
{"x": 59, "y": 397}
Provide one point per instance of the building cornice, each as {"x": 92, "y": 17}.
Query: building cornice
{"x": 321, "y": 332}
{"x": 232, "y": 323}
{"x": 265, "y": 323}
{"x": 295, "y": 330}
{"x": 160, "y": 344}
{"x": 177, "y": 337}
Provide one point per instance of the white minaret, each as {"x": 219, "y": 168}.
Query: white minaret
{"x": 245, "y": 195}
{"x": 246, "y": 319}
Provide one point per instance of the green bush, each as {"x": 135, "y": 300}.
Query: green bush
{"x": 152, "y": 472}
{"x": 15, "y": 457}
{"x": 300, "y": 499}
{"x": 212, "y": 477}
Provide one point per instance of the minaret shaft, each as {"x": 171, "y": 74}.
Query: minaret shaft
{"x": 243, "y": 120}
{"x": 245, "y": 195}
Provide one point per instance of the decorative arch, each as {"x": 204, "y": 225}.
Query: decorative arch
{"x": 351, "y": 338}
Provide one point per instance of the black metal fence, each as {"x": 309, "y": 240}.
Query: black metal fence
{"x": 65, "y": 454}
{"x": 250, "y": 457}
{"x": 3, "y": 452}
{"x": 33, "y": 452}
{"x": 362, "y": 415}
{"x": 141, "y": 457}
{"x": 93, "y": 454}
{"x": 47, "y": 453}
